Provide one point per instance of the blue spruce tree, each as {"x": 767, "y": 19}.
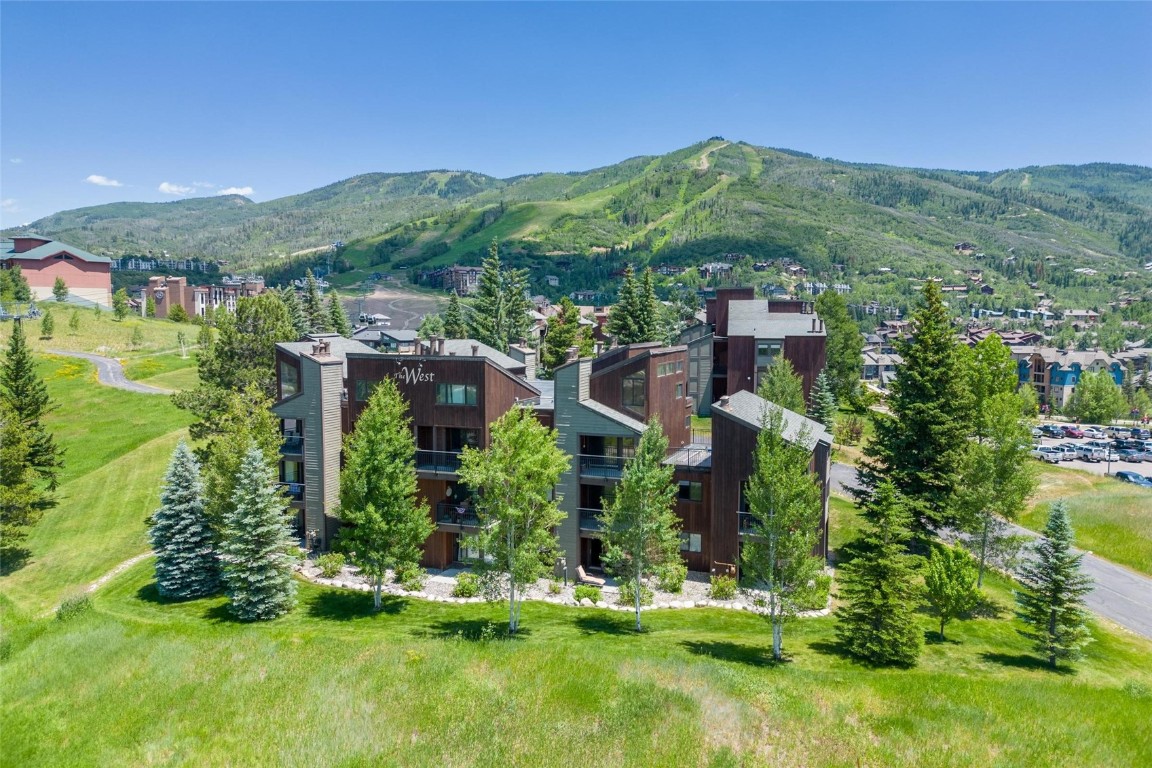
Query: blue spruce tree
{"x": 186, "y": 565}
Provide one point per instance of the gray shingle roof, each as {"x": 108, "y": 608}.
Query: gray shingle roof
{"x": 611, "y": 413}
{"x": 749, "y": 409}
{"x": 751, "y": 317}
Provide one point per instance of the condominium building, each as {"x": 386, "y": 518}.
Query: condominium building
{"x": 599, "y": 406}
{"x": 198, "y": 300}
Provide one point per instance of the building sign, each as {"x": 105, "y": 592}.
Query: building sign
{"x": 410, "y": 375}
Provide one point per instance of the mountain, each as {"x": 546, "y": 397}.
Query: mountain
{"x": 1037, "y": 224}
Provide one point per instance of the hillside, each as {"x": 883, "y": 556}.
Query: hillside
{"x": 684, "y": 208}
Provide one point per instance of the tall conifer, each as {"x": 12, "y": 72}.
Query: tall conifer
{"x": 337, "y": 317}
{"x": 454, "y": 325}
{"x": 26, "y": 394}
{"x": 314, "y": 314}
{"x": 186, "y": 563}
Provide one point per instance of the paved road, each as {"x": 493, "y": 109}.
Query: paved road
{"x": 111, "y": 373}
{"x": 1121, "y": 595}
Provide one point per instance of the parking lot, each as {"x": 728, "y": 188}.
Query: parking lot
{"x": 1143, "y": 467}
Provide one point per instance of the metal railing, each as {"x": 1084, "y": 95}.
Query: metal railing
{"x": 460, "y": 515}
{"x": 294, "y": 491}
{"x": 437, "y": 461}
{"x": 292, "y": 444}
{"x": 747, "y": 522}
{"x": 602, "y": 466}
{"x": 590, "y": 519}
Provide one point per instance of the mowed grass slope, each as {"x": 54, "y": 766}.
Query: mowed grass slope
{"x": 101, "y": 334}
{"x": 117, "y": 446}
{"x": 334, "y": 683}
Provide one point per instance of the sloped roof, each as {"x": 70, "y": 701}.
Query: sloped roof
{"x": 51, "y": 248}
{"x": 748, "y": 409}
{"x": 611, "y": 413}
{"x": 753, "y": 317}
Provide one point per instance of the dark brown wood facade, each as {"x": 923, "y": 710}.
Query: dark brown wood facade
{"x": 665, "y": 396}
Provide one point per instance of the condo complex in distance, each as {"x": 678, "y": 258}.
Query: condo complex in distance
{"x": 599, "y": 406}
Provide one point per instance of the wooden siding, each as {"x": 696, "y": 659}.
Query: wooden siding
{"x": 733, "y": 446}
{"x": 696, "y": 517}
{"x": 660, "y": 398}
{"x": 806, "y": 353}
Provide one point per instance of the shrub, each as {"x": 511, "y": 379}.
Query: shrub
{"x": 850, "y": 430}
{"x": 587, "y": 591}
{"x": 178, "y": 314}
{"x": 467, "y": 585}
{"x": 330, "y": 564}
{"x": 671, "y": 577}
{"x": 554, "y": 588}
{"x": 815, "y": 596}
{"x": 73, "y": 606}
{"x": 722, "y": 587}
{"x": 410, "y": 577}
{"x": 628, "y": 594}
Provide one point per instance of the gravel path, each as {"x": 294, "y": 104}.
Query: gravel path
{"x": 111, "y": 373}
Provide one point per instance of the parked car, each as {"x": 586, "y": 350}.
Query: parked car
{"x": 1044, "y": 453}
{"x": 1037, "y": 432}
{"x": 1090, "y": 453}
{"x": 1131, "y": 455}
{"x": 1135, "y": 479}
{"x": 1052, "y": 430}
{"x": 1073, "y": 432}
{"x": 1118, "y": 432}
{"x": 1094, "y": 433}
{"x": 1102, "y": 444}
{"x": 1067, "y": 452}
{"x": 1141, "y": 434}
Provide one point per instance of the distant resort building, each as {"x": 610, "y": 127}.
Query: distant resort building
{"x": 42, "y": 260}
{"x": 198, "y": 300}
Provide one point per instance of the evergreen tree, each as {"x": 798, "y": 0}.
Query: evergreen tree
{"x": 514, "y": 479}
{"x": 74, "y": 323}
{"x": 781, "y": 385}
{"x": 120, "y": 304}
{"x": 1096, "y": 399}
{"x": 177, "y": 314}
{"x": 843, "y": 345}
{"x": 641, "y": 531}
{"x": 622, "y": 322}
{"x": 47, "y": 324}
{"x": 950, "y": 584}
{"x": 27, "y": 395}
{"x": 314, "y": 315}
{"x": 785, "y": 506}
{"x": 186, "y": 563}
{"x": 920, "y": 445}
{"x": 149, "y": 306}
{"x": 877, "y": 622}
{"x": 431, "y": 326}
{"x": 242, "y": 419}
{"x": 564, "y": 332}
{"x": 648, "y": 309}
{"x": 255, "y": 551}
{"x": 295, "y": 310}
{"x": 60, "y": 289}
{"x": 204, "y": 338}
{"x": 23, "y": 497}
{"x": 824, "y": 405}
{"x": 136, "y": 340}
{"x": 386, "y": 523}
{"x": 1051, "y": 603}
{"x": 500, "y": 309}
{"x": 454, "y": 325}
{"x": 337, "y": 317}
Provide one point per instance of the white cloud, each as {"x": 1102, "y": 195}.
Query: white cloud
{"x": 169, "y": 188}
{"x": 8, "y": 205}
{"x": 16, "y": 160}
{"x": 236, "y": 191}
{"x": 204, "y": 184}
{"x": 102, "y": 181}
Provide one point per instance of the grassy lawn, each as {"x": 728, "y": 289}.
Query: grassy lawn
{"x": 102, "y": 334}
{"x": 181, "y": 684}
{"x": 1111, "y": 518}
{"x": 167, "y": 370}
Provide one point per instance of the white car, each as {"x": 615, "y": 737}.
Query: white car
{"x": 1093, "y": 433}
{"x": 1044, "y": 453}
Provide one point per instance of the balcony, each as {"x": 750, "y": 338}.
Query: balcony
{"x": 611, "y": 467}
{"x": 440, "y": 462}
{"x": 590, "y": 520}
{"x": 456, "y": 517}
{"x": 294, "y": 492}
{"x": 293, "y": 445}
{"x": 747, "y": 523}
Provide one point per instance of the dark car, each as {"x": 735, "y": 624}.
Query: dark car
{"x": 1052, "y": 430}
{"x": 1073, "y": 432}
{"x": 1141, "y": 434}
{"x": 1135, "y": 479}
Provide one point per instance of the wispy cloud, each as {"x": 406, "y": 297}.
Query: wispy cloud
{"x": 169, "y": 188}
{"x": 102, "y": 181}
{"x": 8, "y": 205}
{"x": 204, "y": 184}
{"x": 16, "y": 160}
{"x": 236, "y": 191}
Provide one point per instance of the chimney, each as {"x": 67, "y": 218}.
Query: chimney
{"x": 475, "y": 350}
{"x": 439, "y": 345}
{"x": 813, "y": 325}
{"x": 821, "y": 326}
{"x": 573, "y": 354}
{"x": 724, "y": 400}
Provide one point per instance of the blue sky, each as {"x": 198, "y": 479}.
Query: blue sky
{"x": 158, "y": 101}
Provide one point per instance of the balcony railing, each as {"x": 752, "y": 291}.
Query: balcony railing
{"x": 292, "y": 444}
{"x": 437, "y": 461}
{"x": 460, "y": 515}
{"x": 590, "y": 519}
{"x": 603, "y": 466}
{"x": 747, "y": 523}
{"x": 294, "y": 491}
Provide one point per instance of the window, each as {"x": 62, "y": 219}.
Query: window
{"x": 768, "y": 349}
{"x": 679, "y": 389}
{"x": 289, "y": 379}
{"x": 455, "y": 394}
{"x": 364, "y": 390}
{"x": 666, "y": 369}
{"x": 690, "y": 491}
{"x": 633, "y": 395}
{"x": 689, "y": 542}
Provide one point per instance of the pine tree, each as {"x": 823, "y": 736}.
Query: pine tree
{"x": 641, "y": 531}
{"x": 785, "y": 505}
{"x": 74, "y": 323}
{"x": 824, "y": 405}
{"x": 47, "y": 324}
{"x": 23, "y": 498}
{"x": 920, "y": 445}
{"x": 177, "y": 314}
{"x": 454, "y": 325}
{"x": 149, "y": 306}
{"x": 564, "y": 332}
{"x": 843, "y": 345}
{"x": 137, "y": 338}
{"x": 622, "y": 322}
{"x": 295, "y": 310}
{"x": 781, "y": 385}
{"x": 514, "y": 479}
{"x": 1051, "y": 603}
{"x": 60, "y": 289}
{"x": 27, "y": 395}
{"x": 255, "y": 549}
{"x": 647, "y": 309}
{"x": 314, "y": 315}
{"x": 386, "y": 523}
{"x": 950, "y": 584}
{"x": 120, "y": 304}
{"x": 241, "y": 419}
{"x": 877, "y": 622}
{"x": 183, "y": 540}
{"x": 337, "y": 317}
{"x": 500, "y": 309}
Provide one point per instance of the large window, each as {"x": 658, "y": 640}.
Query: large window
{"x": 364, "y": 390}
{"x": 690, "y": 491}
{"x": 455, "y": 394}
{"x": 289, "y": 379}
{"x": 666, "y": 369}
{"x": 633, "y": 394}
